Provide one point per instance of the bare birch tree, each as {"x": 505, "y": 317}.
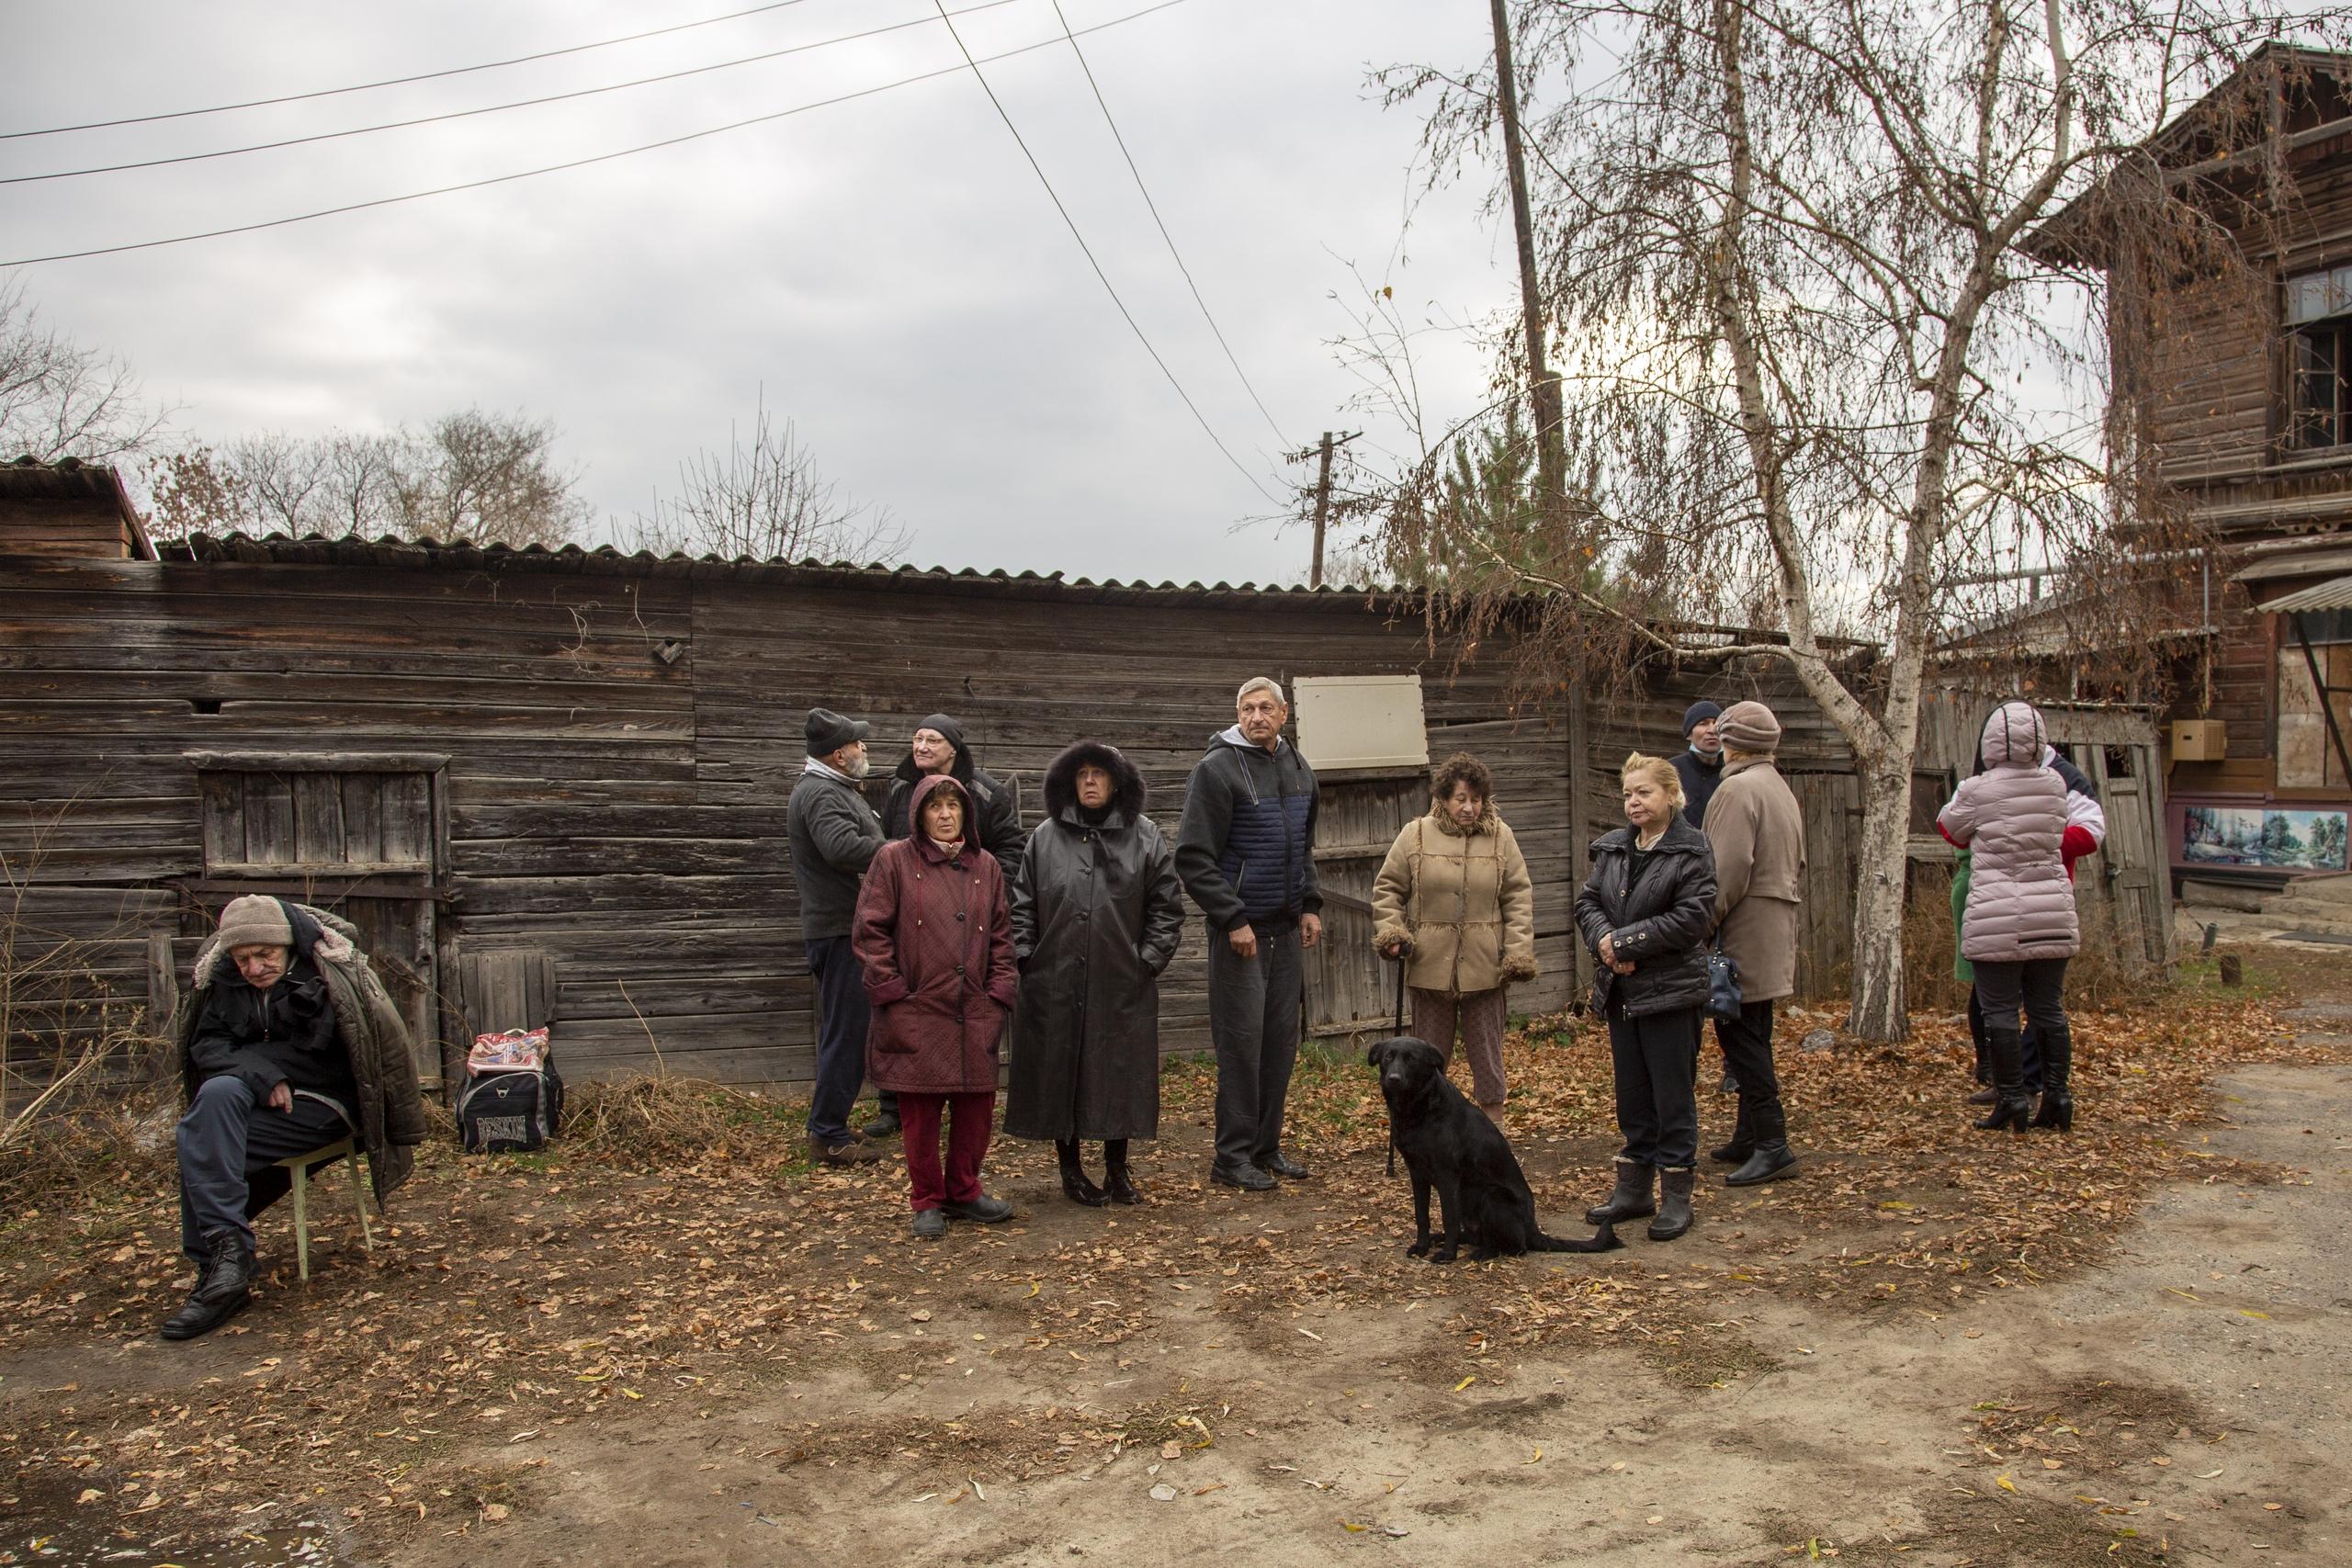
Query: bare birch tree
{"x": 1820, "y": 376}
{"x": 763, "y": 498}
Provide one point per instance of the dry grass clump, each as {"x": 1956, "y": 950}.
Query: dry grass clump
{"x": 103, "y": 1127}
{"x": 648, "y": 1120}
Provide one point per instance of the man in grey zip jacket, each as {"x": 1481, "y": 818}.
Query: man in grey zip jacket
{"x": 834, "y": 836}
{"x": 1246, "y": 854}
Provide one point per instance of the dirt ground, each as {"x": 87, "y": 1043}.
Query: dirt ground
{"x": 1933, "y": 1347}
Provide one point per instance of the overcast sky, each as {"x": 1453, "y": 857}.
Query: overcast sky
{"x": 889, "y": 268}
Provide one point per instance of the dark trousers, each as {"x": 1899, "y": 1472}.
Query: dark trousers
{"x": 1253, "y": 1018}
{"x": 967, "y": 1144}
{"x": 2030, "y": 1037}
{"x": 2031, "y": 992}
{"x": 1657, "y": 1062}
{"x": 1747, "y": 1043}
{"x": 841, "y": 1015}
{"x": 228, "y": 1143}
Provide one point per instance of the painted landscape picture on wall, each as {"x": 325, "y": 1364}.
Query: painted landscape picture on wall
{"x": 2249, "y": 835}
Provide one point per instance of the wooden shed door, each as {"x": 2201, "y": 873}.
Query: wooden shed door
{"x": 359, "y": 836}
{"x": 2131, "y": 895}
{"x": 1349, "y": 989}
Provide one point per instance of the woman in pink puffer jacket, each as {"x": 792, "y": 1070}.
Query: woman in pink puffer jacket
{"x": 2019, "y": 927}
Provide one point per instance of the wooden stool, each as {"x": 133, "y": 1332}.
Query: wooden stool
{"x": 300, "y": 1166}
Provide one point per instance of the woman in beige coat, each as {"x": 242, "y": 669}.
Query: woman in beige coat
{"x": 1455, "y": 901}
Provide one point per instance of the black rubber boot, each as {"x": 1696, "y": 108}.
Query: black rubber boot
{"x": 1630, "y": 1201}
{"x": 1770, "y": 1163}
{"x": 1077, "y": 1186}
{"x": 220, "y": 1291}
{"x": 1673, "y": 1202}
{"x": 2010, "y": 1107}
{"x": 2057, "y": 1112}
{"x": 1117, "y": 1184}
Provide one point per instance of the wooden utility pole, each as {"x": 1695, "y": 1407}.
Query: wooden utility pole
{"x": 1323, "y": 451}
{"x": 1542, "y": 392}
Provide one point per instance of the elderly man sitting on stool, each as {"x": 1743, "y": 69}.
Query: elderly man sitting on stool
{"x": 288, "y": 1043}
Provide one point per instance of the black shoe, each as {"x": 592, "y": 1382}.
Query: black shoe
{"x": 930, "y": 1225}
{"x": 1630, "y": 1201}
{"x": 1117, "y": 1189}
{"x": 1730, "y": 1084}
{"x": 1077, "y": 1186}
{"x": 1250, "y": 1179}
{"x": 1673, "y": 1203}
{"x": 982, "y": 1210}
{"x": 1984, "y": 1095}
{"x": 1732, "y": 1153}
{"x": 885, "y": 1125}
{"x": 221, "y": 1288}
{"x": 1770, "y": 1163}
{"x": 1282, "y": 1165}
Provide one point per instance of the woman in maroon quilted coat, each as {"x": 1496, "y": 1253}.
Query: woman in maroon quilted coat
{"x": 935, "y": 942}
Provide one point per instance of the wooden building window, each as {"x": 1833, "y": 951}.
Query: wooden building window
{"x": 2318, "y": 318}
{"x": 2306, "y": 749}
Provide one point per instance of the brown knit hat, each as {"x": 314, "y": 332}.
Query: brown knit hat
{"x": 1749, "y": 726}
{"x": 255, "y": 919}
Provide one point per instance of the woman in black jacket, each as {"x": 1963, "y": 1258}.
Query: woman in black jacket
{"x": 1646, "y": 911}
{"x": 1097, "y": 913}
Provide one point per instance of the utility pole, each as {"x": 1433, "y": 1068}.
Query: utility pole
{"x": 1323, "y": 451}
{"x": 1542, "y": 392}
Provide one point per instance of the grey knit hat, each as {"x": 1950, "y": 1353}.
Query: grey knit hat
{"x": 254, "y": 921}
{"x": 1749, "y": 726}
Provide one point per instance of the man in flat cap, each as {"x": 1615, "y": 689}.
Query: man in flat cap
{"x": 1758, "y": 833}
{"x": 835, "y": 836}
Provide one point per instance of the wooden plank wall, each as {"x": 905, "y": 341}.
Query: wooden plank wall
{"x": 621, "y": 812}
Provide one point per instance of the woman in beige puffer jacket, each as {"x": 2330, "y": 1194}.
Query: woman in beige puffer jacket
{"x": 2019, "y": 928}
{"x": 1453, "y": 899}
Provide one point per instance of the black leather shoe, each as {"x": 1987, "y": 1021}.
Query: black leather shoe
{"x": 930, "y": 1225}
{"x": 220, "y": 1293}
{"x": 1250, "y": 1179}
{"x": 197, "y": 1316}
{"x": 1282, "y": 1165}
{"x": 885, "y": 1125}
{"x": 1769, "y": 1163}
{"x": 1733, "y": 1153}
{"x": 982, "y": 1210}
{"x": 1117, "y": 1189}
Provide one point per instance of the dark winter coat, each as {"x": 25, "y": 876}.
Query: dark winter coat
{"x": 834, "y": 836}
{"x": 1659, "y": 922}
{"x": 1097, "y": 913}
{"x": 1700, "y": 778}
{"x": 934, "y": 942}
{"x": 997, "y": 828}
{"x": 368, "y": 1030}
{"x": 1246, "y": 846}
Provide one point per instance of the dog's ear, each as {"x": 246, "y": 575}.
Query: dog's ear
{"x": 1372, "y": 1057}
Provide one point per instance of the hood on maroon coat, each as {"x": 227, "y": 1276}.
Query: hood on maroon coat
{"x": 1127, "y": 792}
{"x": 923, "y": 789}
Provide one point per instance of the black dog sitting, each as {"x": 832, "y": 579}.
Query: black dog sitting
{"x": 1448, "y": 1144}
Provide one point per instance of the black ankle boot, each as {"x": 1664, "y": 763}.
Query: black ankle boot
{"x": 1630, "y": 1201}
{"x": 1116, "y": 1186}
{"x": 2010, "y": 1107}
{"x": 2057, "y": 1111}
{"x": 1673, "y": 1202}
{"x": 1077, "y": 1186}
{"x": 220, "y": 1291}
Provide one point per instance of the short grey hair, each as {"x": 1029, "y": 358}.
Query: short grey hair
{"x": 1258, "y": 683}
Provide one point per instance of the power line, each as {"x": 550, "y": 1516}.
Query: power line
{"x": 398, "y": 81}
{"x": 1164, "y": 234}
{"x": 575, "y": 163}
{"x": 1105, "y": 278}
{"x": 488, "y": 109}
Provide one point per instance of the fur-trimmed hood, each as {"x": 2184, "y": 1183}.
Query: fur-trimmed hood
{"x": 320, "y": 935}
{"x": 1127, "y": 792}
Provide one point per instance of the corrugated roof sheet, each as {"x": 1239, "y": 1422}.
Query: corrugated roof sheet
{"x": 2334, "y": 595}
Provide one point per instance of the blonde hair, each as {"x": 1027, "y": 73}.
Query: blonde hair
{"x": 1659, "y": 770}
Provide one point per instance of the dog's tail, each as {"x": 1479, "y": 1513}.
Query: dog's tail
{"x": 1602, "y": 1240}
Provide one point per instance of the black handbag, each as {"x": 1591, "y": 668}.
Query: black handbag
{"x": 1723, "y": 986}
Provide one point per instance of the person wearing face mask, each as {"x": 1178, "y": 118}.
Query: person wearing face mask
{"x": 1453, "y": 901}
{"x": 1699, "y": 764}
{"x": 1097, "y": 913}
{"x": 834, "y": 836}
{"x": 934, "y": 944}
{"x": 288, "y": 1042}
{"x": 1646, "y": 911}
